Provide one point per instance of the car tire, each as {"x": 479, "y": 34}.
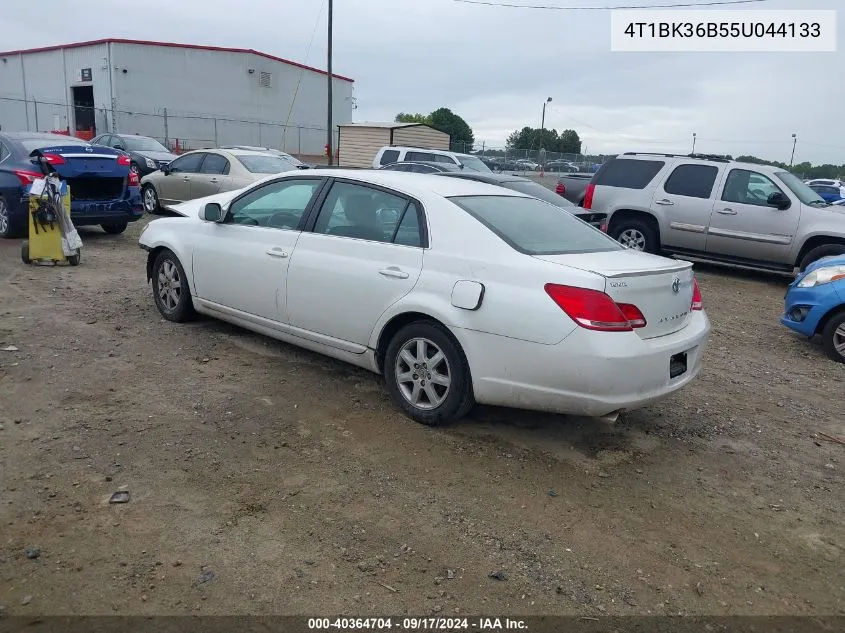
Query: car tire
{"x": 833, "y": 337}
{"x": 446, "y": 399}
{"x": 149, "y": 198}
{"x": 170, "y": 288}
{"x": 825, "y": 250}
{"x": 9, "y": 226}
{"x": 115, "y": 228}
{"x": 636, "y": 235}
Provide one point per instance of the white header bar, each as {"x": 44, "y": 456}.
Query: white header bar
{"x": 703, "y": 31}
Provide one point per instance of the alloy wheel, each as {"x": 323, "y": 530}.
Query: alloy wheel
{"x": 633, "y": 239}
{"x": 150, "y": 201}
{"x": 4, "y": 217}
{"x": 423, "y": 374}
{"x": 169, "y": 285}
{"x": 839, "y": 340}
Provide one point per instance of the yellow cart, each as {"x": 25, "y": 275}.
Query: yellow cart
{"x": 44, "y": 246}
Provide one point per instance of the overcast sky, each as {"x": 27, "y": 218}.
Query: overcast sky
{"x": 495, "y": 66}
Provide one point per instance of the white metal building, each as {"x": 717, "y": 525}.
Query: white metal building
{"x": 358, "y": 143}
{"x": 202, "y": 96}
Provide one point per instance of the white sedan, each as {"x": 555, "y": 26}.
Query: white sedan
{"x": 456, "y": 291}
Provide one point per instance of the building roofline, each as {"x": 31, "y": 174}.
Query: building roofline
{"x": 223, "y": 49}
{"x": 388, "y": 126}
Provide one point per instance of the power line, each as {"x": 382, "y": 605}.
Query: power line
{"x": 542, "y": 7}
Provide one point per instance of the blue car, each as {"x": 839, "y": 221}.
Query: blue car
{"x": 102, "y": 189}
{"x": 815, "y": 304}
{"x": 829, "y": 193}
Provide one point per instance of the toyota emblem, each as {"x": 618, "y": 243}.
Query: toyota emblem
{"x": 676, "y": 285}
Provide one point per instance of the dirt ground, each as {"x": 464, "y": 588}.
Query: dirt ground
{"x": 265, "y": 479}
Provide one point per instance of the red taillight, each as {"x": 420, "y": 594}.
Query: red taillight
{"x": 123, "y": 159}
{"x": 635, "y": 317}
{"x": 591, "y": 309}
{"x": 560, "y": 189}
{"x": 27, "y": 177}
{"x": 134, "y": 180}
{"x": 54, "y": 159}
{"x": 697, "y": 303}
{"x": 588, "y": 196}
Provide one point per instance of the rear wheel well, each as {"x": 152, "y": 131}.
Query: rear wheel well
{"x": 629, "y": 214}
{"x": 827, "y": 317}
{"x": 814, "y": 242}
{"x": 397, "y": 323}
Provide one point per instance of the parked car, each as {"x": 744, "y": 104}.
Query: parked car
{"x": 102, "y": 189}
{"x": 290, "y": 157}
{"x": 825, "y": 181}
{"x": 830, "y": 193}
{"x": 815, "y": 304}
{"x": 714, "y": 209}
{"x": 561, "y": 166}
{"x": 526, "y": 164}
{"x": 395, "y": 154}
{"x": 573, "y": 187}
{"x": 432, "y": 282}
{"x": 206, "y": 172}
{"x": 422, "y": 167}
{"x": 536, "y": 190}
{"x": 146, "y": 153}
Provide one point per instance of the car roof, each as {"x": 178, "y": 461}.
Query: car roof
{"x": 419, "y": 184}
{"x": 686, "y": 159}
{"x": 485, "y": 177}
{"x": 117, "y": 134}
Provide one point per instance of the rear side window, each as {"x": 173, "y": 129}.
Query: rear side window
{"x": 4, "y": 153}
{"x": 215, "y": 164}
{"x": 423, "y": 156}
{"x": 389, "y": 156}
{"x": 535, "y": 227}
{"x": 693, "y": 181}
{"x": 631, "y": 174}
{"x": 442, "y": 158}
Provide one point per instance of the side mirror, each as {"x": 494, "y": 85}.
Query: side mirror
{"x": 165, "y": 169}
{"x": 212, "y": 212}
{"x": 778, "y": 200}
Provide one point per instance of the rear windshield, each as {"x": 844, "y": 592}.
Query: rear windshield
{"x": 265, "y": 163}
{"x": 631, "y": 174}
{"x": 535, "y": 227}
{"x": 31, "y": 144}
{"x": 538, "y": 191}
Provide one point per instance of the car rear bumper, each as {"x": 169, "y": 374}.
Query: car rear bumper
{"x": 805, "y": 307}
{"x": 588, "y": 373}
{"x": 87, "y": 212}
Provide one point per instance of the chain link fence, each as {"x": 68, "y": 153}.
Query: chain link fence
{"x": 179, "y": 131}
{"x": 531, "y": 160}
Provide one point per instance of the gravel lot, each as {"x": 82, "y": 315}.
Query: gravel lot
{"x": 265, "y": 479}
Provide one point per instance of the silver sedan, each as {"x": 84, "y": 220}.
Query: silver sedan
{"x": 207, "y": 172}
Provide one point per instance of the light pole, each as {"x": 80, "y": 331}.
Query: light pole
{"x": 542, "y": 131}
{"x": 693, "y": 142}
{"x": 794, "y": 143}
{"x": 329, "y": 136}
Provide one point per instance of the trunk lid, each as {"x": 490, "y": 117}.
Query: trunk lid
{"x": 661, "y": 288}
{"x": 84, "y": 161}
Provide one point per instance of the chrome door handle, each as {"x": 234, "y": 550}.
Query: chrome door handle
{"x": 277, "y": 252}
{"x": 665, "y": 202}
{"x": 727, "y": 211}
{"x": 393, "y": 272}
{"x": 214, "y": 180}
{"x": 186, "y": 179}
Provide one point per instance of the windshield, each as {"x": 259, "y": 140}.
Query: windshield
{"x": 473, "y": 163}
{"x": 538, "y": 191}
{"x": 143, "y": 144}
{"x": 797, "y": 186}
{"x": 534, "y": 227}
{"x": 265, "y": 163}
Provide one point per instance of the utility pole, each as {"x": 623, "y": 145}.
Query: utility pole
{"x": 329, "y": 135}
{"x": 542, "y": 131}
{"x": 693, "y": 142}
{"x": 794, "y": 143}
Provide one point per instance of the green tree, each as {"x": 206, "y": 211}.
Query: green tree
{"x": 569, "y": 142}
{"x": 407, "y": 117}
{"x": 445, "y": 120}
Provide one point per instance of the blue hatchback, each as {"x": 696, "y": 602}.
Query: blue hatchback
{"x": 815, "y": 304}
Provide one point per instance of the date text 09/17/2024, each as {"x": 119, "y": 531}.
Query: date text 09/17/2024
{"x": 418, "y": 624}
